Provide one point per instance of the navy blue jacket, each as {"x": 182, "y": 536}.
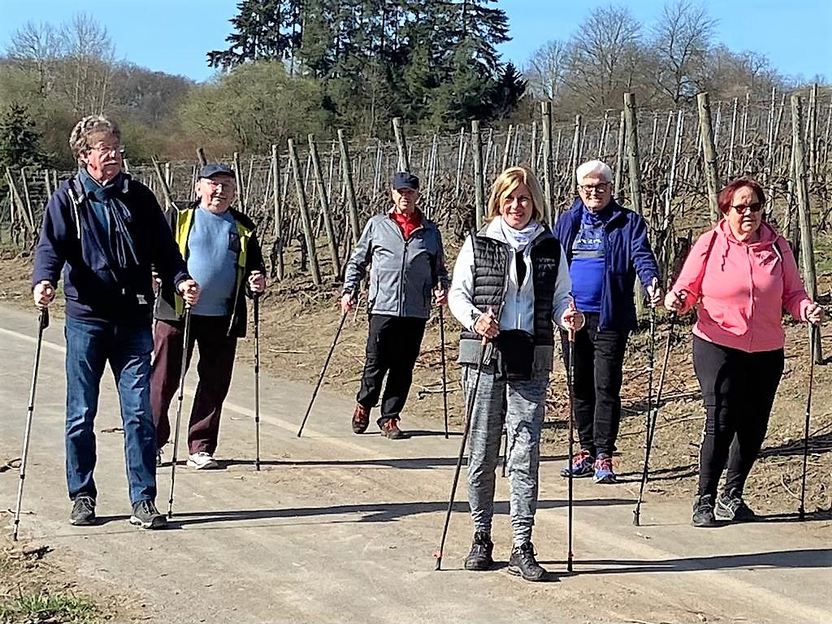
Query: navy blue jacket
{"x": 70, "y": 242}
{"x": 627, "y": 253}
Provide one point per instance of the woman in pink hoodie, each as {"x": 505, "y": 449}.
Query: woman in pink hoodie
{"x": 743, "y": 275}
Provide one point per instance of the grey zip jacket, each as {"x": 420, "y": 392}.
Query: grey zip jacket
{"x": 403, "y": 273}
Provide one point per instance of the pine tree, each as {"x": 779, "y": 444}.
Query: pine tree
{"x": 263, "y": 30}
{"x": 507, "y": 91}
{"x": 19, "y": 141}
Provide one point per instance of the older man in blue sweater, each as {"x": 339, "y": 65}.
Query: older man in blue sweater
{"x": 607, "y": 247}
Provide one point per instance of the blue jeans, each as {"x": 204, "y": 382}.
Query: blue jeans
{"x": 89, "y": 346}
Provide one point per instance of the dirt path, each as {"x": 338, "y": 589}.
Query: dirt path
{"x": 340, "y": 528}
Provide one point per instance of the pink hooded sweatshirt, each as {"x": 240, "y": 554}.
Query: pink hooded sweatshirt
{"x": 742, "y": 289}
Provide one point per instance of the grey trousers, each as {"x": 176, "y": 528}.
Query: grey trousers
{"x": 521, "y": 405}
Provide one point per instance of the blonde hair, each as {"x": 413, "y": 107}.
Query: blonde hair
{"x": 79, "y": 138}
{"x": 505, "y": 184}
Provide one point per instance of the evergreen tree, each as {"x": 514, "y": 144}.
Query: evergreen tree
{"x": 19, "y": 141}
{"x": 507, "y": 91}
{"x": 263, "y": 30}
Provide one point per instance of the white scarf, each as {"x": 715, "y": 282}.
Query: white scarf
{"x": 519, "y": 239}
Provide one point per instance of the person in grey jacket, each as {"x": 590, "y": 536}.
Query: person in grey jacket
{"x": 407, "y": 273}
{"x": 511, "y": 284}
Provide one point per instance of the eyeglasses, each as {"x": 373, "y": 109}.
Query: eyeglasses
{"x": 227, "y": 184}
{"x": 594, "y": 188}
{"x": 742, "y": 209}
{"x": 107, "y": 149}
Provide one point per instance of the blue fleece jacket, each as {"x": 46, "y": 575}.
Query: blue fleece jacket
{"x": 71, "y": 242}
{"x": 627, "y": 253}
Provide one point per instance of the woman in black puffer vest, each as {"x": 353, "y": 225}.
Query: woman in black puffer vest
{"x": 509, "y": 287}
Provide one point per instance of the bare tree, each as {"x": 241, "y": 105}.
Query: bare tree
{"x": 36, "y": 46}
{"x": 89, "y": 57}
{"x": 680, "y": 44}
{"x": 546, "y": 69}
{"x": 605, "y": 57}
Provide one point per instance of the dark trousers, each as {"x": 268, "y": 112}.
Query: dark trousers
{"x": 738, "y": 389}
{"x": 216, "y": 362}
{"x": 599, "y": 360}
{"x": 393, "y": 344}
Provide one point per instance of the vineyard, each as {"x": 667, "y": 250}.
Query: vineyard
{"x": 311, "y": 199}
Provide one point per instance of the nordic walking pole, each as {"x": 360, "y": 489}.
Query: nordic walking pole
{"x": 444, "y": 370}
{"x": 469, "y": 410}
{"x": 323, "y": 371}
{"x": 43, "y": 323}
{"x": 651, "y": 426}
{"x": 801, "y": 511}
{"x": 651, "y": 366}
{"x": 180, "y": 395}
{"x": 256, "y": 312}
{"x": 570, "y": 380}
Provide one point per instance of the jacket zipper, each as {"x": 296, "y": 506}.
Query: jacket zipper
{"x": 406, "y": 241}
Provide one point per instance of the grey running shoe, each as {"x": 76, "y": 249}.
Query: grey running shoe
{"x": 731, "y": 507}
{"x": 703, "y": 511}
{"x": 83, "y": 510}
{"x": 146, "y": 516}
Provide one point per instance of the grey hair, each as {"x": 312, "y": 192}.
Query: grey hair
{"x": 594, "y": 168}
{"x": 79, "y": 138}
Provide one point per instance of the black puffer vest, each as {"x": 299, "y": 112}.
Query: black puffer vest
{"x": 492, "y": 262}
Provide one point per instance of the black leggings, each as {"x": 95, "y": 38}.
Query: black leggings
{"x": 738, "y": 389}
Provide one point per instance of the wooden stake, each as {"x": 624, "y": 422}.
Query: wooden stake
{"x": 304, "y": 215}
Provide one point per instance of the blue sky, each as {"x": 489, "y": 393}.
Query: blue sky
{"x": 174, "y": 35}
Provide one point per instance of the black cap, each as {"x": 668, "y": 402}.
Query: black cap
{"x": 215, "y": 168}
{"x": 405, "y": 179}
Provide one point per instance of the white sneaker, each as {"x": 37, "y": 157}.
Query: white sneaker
{"x": 202, "y": 461}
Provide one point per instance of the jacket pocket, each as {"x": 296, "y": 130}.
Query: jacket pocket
{"x": 384, "y": 290}
{"x": 728, "y": 317}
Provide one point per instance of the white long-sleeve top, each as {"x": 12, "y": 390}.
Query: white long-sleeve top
{"x": 518, "y": 307}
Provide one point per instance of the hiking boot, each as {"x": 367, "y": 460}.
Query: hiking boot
{"x": 146, "y": 516}
{"x": 480, "y": 556}
{"x": 732, "y": 508}
{"x": 522, "y": 563}
{"x": 703, "y": 511}
{"x": 390, "y": 429}
{"x": 202, "y": 461}
{"x": 603, "y": 469}
{"x": 83, "y": 510}
{"x": 581, "y": 466}
{"x": 360, "y": 419}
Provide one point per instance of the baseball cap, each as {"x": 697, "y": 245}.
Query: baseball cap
{"x": 405, "y": 179}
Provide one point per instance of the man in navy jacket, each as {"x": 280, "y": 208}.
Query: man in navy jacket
{"x": 607, "y": 247}
{"x": 105, "y": 231}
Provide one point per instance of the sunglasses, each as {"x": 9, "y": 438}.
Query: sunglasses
{"x": 742, "y": 209}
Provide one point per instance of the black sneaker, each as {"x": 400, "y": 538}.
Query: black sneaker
{"x": 83, "y": 510}
{"x": 522, "y": 563}
{"x": 147, "y": 516}
{"x": 732, "y": 508}
{"x": 480, "y": 556}
{"x": 703, "y": 511}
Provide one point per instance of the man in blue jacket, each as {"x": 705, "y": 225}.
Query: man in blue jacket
{"x": 407, "y": 272}
{"x": 105, "y": 231}
{"x": 606, "y": 246}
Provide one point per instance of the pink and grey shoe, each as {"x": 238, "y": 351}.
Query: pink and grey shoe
{"x": 581, "y": 466}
